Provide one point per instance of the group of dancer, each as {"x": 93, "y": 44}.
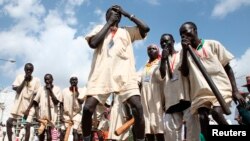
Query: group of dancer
{"x": 171, "y": 83}
{"x": 171, "y": 89}
{"x": 47, "y": 104}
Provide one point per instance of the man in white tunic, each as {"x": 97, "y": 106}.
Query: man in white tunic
{"x": 215, "y": 59}
{"x": 176, "y": 93}
{"x": 26, "y": 87}
{"x": 73, "y": 98}
{"x": 152, "y": 97}
{"x": 113, "y": 67}
{"x": 47, "y": 100}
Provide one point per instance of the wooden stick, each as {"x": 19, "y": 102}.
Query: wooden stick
{"x": 43, "y": 124}
{"x": 66, "y": 137}
{"x": 124, "y": 127}
{"x": 210, "y": 82}
{"x": 70, "y": 122}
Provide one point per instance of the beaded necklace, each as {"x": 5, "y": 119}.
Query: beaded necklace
{"x": 150, "y": 64}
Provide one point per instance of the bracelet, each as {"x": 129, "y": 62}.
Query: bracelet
{"x": 131, "y": 16}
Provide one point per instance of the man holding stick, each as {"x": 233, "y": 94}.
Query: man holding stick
{"x": 176, "y": 93}
{"x": 215, "y": 59}
{"x": 26, "y": 87}
{"x": 72, "y": 106}
{"x": 113, "y": 67}
{"x": 47, "y": 100}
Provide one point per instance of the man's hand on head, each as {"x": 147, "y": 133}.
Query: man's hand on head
{"x": 114, "y": 18}
{"x": 119, "y": 9}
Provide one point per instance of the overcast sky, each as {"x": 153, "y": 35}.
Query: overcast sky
{"x": 49, "y": 33}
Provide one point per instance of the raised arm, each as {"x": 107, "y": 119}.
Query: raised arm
{"x": 184, "y": 65}
{"x": 19, "y": 88}
{"x": 144, "y": 29}
{"x": 99, "y": 37}
{"x": 50, "y": 92}
{"x": 164, "y": 57}
{"x": 112, "y": 18}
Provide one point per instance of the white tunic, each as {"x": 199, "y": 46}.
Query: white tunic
{"x": 42, "y": 99}
{"x": 23, "y": 99}
{"x": 152, "y": 99}
{"x": 214, "y": 57}
{"x": 176, "y": 90}
{"x": 113, "y": 64}
{"x": 75, "y": 112}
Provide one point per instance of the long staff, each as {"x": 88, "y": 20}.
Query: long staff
{"x": 210, "y": 82}
{"x": 49, "y": 110}
{"x": 70, "y": 122}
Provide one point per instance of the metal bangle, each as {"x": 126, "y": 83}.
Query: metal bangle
{"x": 131, "y": 16}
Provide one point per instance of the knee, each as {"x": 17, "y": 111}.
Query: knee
{"x": 87, "y": 110}
{"x": 137, "y": 110}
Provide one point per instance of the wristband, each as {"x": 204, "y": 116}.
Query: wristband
{"x": 131, "y": 16}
